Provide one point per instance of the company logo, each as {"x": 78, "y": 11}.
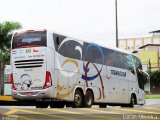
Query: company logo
{"x": 21, "y": 51}
{"x": 28, "y": 51}
{"x": 118, "y": 73}
{"x": 26, "y": 82}
{"x": 35, "y": 50}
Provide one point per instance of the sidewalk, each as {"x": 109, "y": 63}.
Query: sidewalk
{"x": 6, "y": 98}
{"x": 152, "y": 101}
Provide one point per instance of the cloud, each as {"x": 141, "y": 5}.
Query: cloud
{"x": 85, "y": 19}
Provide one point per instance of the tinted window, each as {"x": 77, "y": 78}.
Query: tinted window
{"x": 68, "y": 49}
{"x": 118, "y": 59}
{"x": 109, "y": 57}
{"x": 88, "y": 56}
{"x": 129, "y": 64}
{"x": 72, "y": 51}
{"x": 137, "y": 62}
{"x": 93, "y": 55}
{"x": 92, "y": 52}
{"x": 140, "y": 74}
{"x": 37, "y": 38}
{"x": 58, "y": 40}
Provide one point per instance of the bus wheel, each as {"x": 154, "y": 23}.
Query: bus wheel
{"x": 89, "y": 99}
{"x": 78, "y": 99}
{"x": 132, "y": 101}
{"x": 57, "y": 105}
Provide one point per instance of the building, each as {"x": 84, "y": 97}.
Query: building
{"x": 147, "y": 49}
{"x": 132, "y": 44}
{"x": 150, "y": 56}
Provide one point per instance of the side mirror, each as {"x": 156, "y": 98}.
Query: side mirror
{"x": 132, "y": 70}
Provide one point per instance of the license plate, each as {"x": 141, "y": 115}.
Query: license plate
{"x": 28, "y": 94}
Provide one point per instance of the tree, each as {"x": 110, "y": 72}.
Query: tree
{"x": 155, "y": 78}
{"x": 6, "y": 29}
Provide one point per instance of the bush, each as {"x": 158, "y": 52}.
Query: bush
{"x": 155, "y": 81}
{"x": 155, "y": 77}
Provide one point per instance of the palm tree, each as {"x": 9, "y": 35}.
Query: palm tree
{"x": 6, "y": 29}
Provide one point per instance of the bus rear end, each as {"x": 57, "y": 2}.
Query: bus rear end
{"x": 30, "y": 78}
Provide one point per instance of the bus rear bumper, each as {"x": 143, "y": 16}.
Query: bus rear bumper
{"x": 33, "y": 94}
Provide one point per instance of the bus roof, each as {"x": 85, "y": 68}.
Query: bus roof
{"x": 100, "y": 44}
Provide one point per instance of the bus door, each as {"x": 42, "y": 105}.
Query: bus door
{"x": 119, "y": 76}
{"x": 112, "y": 86}
{"x": 140, "y": 79}
{"x": 119, "y": 85}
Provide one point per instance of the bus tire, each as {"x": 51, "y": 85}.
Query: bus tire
{"x": 78, "y": 99}
{"x": 89, "y": 99}
{"x": 132, "y": 101}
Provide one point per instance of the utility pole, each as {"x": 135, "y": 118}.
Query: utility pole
{"x": 116, "y": 23}
{"x": 1, "y": 77}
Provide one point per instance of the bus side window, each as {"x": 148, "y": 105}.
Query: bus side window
{"x": 57, "y": 40}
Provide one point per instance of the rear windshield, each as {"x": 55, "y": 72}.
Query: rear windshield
{"x": 29, "y": 39}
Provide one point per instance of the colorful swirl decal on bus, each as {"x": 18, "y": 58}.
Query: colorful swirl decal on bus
{"x": 65, "y": 73}
{"x": 60, "y": 67}
{"x": 86, "y": 79}
{"x": 108, "y": 76}
{"x": 86, "y": 70}
{"x": 26, "y": 82}
{"x": 61, "y": 87}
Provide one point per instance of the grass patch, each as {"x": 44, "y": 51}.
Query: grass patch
{"x": 152, "y": 96}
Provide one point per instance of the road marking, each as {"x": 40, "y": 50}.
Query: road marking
{"x": 63, "y": 111}
{"x": 139, "y": 111}
{"x": 12, "y": 114}
{"x": 12, "y": 111}
{"x": 26, "y": 118}
{"x": 39, "y": 113}
{"x": 93, "y": 110}
{"x": 84, "y": 114}
{"x": 151, "y": 108}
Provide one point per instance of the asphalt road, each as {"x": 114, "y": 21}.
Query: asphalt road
{"x": 150, "y": 111}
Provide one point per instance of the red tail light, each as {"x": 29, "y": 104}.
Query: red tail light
{"x": 12, "y": 82}
{"x": 48, "y": 82}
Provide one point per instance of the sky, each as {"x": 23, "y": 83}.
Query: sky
{"x": 91, "y": 20}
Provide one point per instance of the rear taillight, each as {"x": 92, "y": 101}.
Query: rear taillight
{"x": 12, "y": 82}
{"x": 48, "y": 82}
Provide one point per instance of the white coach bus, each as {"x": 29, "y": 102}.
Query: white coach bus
{"x": 56, "y": 70}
